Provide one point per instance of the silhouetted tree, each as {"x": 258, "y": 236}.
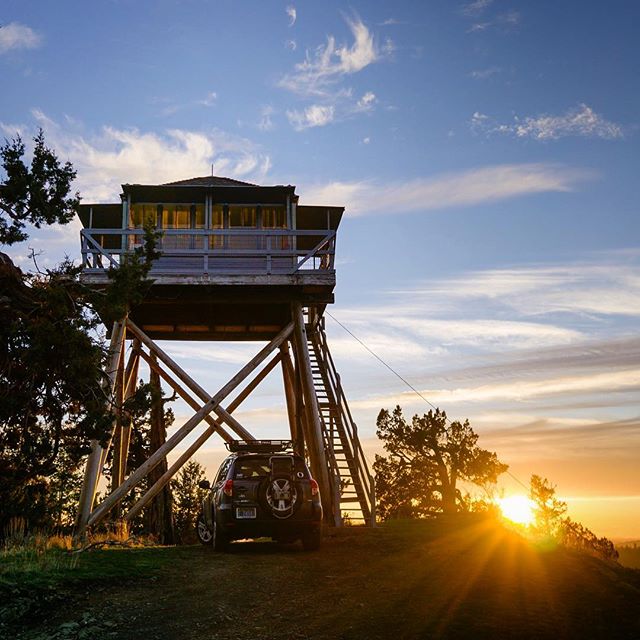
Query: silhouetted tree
{"x": 35, "y": 195}
{"x": 52, "y": 386}
{"x": 551, "y": 523}
{"x": 187, "y": 499}
{"x": 548, "y": 510}
{"x": 427, "y": 458}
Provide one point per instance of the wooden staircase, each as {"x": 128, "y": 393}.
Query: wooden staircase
{"x": 355, "y": 490}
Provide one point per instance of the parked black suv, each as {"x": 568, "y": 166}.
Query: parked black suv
{"x": 262, "y": 489}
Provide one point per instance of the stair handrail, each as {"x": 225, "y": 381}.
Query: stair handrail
{"x": 349, "y": 424}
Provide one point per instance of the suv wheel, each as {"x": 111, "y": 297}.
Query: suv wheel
{"x": 311, "y": 540}
{"x": 204, "y": 533}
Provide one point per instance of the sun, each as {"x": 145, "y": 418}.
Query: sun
{"x": 518, "y": 509}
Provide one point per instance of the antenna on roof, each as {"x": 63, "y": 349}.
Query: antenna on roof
{"x": 212, "y": 169}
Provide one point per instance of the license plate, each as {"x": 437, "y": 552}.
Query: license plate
{"x": 243, "y": 513}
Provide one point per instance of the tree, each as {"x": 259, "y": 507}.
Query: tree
{"x": 51, "y": 375}
{"x": 548, "y": 510}
{"x": 37, "y": 195}
{"x": 550, "y": 522}
{"x": 52, "y": 385}
{"x": 187, "y": 499}
{"x": 427, "y": 459}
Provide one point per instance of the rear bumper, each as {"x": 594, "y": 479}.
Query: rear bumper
{"x": 308, "y": 518}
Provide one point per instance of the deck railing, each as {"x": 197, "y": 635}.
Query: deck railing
{"x": 211, "y": 251}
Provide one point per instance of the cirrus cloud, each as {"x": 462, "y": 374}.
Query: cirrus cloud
{"x": 459, "y": 189}
{"x": 581, "y": 121}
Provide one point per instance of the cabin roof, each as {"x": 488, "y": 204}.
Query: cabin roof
{"x": 209, "y": 181}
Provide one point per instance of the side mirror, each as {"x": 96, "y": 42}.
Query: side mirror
{"x": 204, "y": 484}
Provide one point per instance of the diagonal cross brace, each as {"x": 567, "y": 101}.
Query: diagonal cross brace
{"x": 194, "y": 404}
{"x": 153, "y": 491}
{"x": 141, "y": 472}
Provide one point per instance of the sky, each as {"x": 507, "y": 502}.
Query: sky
{"x": 487, "y": 156}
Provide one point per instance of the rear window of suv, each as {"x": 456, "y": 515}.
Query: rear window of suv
{"x": 258, "y": 467}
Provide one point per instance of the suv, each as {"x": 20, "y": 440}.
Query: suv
{"x": 261, "y": 489}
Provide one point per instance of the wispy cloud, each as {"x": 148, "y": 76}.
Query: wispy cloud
{"x": 291, "y": 44}
{"x": 514, "y": 391}
{"x": 316, "y": 115}
{"x": 292, "y": 14}
{"x": 582, "y": 121}
{"x": 603, "y": 287}
{"x": 106, "y": 159}
{"x": 483, "y": 74}
{"x": 464, "y": 188}
{"x": 367, "y": 101}
{"x": 505, "y": 21}
{"x": 473, "y": 9}
{"x": 329, "y": 63}
{"x": 18, "y": 36}
{"x": 319, "y": 76}
{"x": 266, "y": 123}
{"x": 209, "y": 100}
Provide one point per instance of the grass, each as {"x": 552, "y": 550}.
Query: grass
{"x": 448, "y": 579}
{"x": 39, "y": 572}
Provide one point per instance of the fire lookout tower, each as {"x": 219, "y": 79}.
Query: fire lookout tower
{"x": 237, "y": 262}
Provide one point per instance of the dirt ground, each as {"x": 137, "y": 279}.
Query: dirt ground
{"x": 408, "y": 580}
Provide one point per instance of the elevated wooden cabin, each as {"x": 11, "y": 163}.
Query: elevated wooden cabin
{"x": 234, "y": 255}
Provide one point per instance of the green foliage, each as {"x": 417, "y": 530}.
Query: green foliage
{"x": 427, "y": 458}
{"x": 53, "y": 392}
{"x": 35, "y": 195}
{"x": 63, "y": 492}
{"x": 50, "y": 383}
{"x": 188, "y": 497}
{"x": 128, "y": 282}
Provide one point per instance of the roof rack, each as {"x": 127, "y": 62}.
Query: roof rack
{"x": 259, "y": 446}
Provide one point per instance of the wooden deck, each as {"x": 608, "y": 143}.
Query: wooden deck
{"x": 218, "y": 255}
{"x": 222, "y": 284}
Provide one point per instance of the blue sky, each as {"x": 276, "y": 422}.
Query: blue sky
{"x": 487, "y": 154}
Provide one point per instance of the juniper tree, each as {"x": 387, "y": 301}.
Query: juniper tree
{"x": 427, "y": 459}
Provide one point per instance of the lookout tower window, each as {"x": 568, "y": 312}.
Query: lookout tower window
{"x": 275, "y": 218}
{"x": 243, "y": 218}
{"x": 139, "y": 214}
{"x": 217, "y": 222}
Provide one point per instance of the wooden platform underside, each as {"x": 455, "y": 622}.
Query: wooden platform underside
{"x": 236, "y": 313}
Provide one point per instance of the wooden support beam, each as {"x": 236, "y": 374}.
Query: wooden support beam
{"x": 194, "y": 404}
{"x": 242, "y": 396}
{"x": 123, "y": 427}
{"x": 94, "y": 461}
{"x": 315, "y": 444}
{"x": 134, "y": 479}
{"x": 177, "y": 465}
{"x": 153, "y": 491}
{"x": 116, "y": 399}
{"x": 301, "y": 413}
{"x": 290, "y": 394}
{"x": 131, "y": 376}
{"x": 187, "y": 380}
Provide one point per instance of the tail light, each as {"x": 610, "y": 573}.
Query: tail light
{"x": 315, "y": 489}
{"x": 227, "y": 489}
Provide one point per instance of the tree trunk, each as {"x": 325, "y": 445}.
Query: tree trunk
{"x": 447, "y": 490}
{"x": 160, "y": 512}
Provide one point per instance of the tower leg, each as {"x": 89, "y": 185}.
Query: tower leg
{"x": 315, "y": 444}
{"x": 94, "y": 462}
{"x": 288, "y": 376}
